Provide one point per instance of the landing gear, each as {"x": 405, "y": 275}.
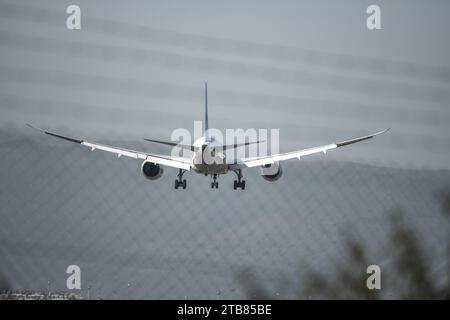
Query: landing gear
{"x": 180, "y": 182}
{"x": 238, "y": 183}
{"x": 214, "y": 183}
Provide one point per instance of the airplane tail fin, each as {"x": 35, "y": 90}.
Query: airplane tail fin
{"x": 206, "y": 110}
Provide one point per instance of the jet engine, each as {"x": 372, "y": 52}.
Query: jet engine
{"x": 271, "y": 172}
{"x": 151, "y": 171}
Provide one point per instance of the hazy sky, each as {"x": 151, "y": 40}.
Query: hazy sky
{"x": 310, "y": 68}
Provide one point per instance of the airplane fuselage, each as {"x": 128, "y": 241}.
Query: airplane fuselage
{"x": 207, "y": 169}
{"x": 208, "y": 159}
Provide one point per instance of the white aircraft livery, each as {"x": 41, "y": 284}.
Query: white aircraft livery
{"x": 206, "y": 147}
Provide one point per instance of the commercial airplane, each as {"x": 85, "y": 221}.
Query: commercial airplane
{"x": 152, "y": 165}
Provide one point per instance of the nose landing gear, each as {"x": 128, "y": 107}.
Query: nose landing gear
{"x": 180, "y": 182}
{"x": 238, "y": 183}
{"x": 214, "y": 183}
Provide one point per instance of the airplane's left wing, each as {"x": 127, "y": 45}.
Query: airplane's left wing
{"x": 265, "y": 160}
{"x": 180, "y": 163}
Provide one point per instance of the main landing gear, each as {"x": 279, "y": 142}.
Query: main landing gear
{"x": 180, "y": 182}
{"x": 214, "y": 183}
{"x": 238, "y": 183}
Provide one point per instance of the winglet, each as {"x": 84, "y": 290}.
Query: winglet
{"x": 55, "y": 134}
{"x": 370, "y": 136}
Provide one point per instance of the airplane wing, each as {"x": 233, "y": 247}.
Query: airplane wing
{"x": 264, "y": 160}
{"x": 180, "y": 163}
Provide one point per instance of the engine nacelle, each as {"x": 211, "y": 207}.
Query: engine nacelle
{"x": 151, "y": 171}
{"x": 271, "y": 172}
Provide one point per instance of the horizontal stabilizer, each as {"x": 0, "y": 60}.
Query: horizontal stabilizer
{"x": 173, "y": 144}
{"x": 237, "y": 145}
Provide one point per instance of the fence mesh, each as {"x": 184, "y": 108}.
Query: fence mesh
{"x": 311, "y": 234}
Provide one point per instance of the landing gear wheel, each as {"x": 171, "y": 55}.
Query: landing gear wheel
{"x": 214, "y": 183}
{"x": 180, "y": 182}
{"x": 238, "y": 183}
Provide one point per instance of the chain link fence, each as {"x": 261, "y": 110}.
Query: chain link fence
{"x": 311, "y": 234}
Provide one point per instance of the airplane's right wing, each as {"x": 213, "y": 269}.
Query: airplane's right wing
{"x": 266, "y": 160}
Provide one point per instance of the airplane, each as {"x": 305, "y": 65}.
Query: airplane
{"x": 152, "y": 165}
